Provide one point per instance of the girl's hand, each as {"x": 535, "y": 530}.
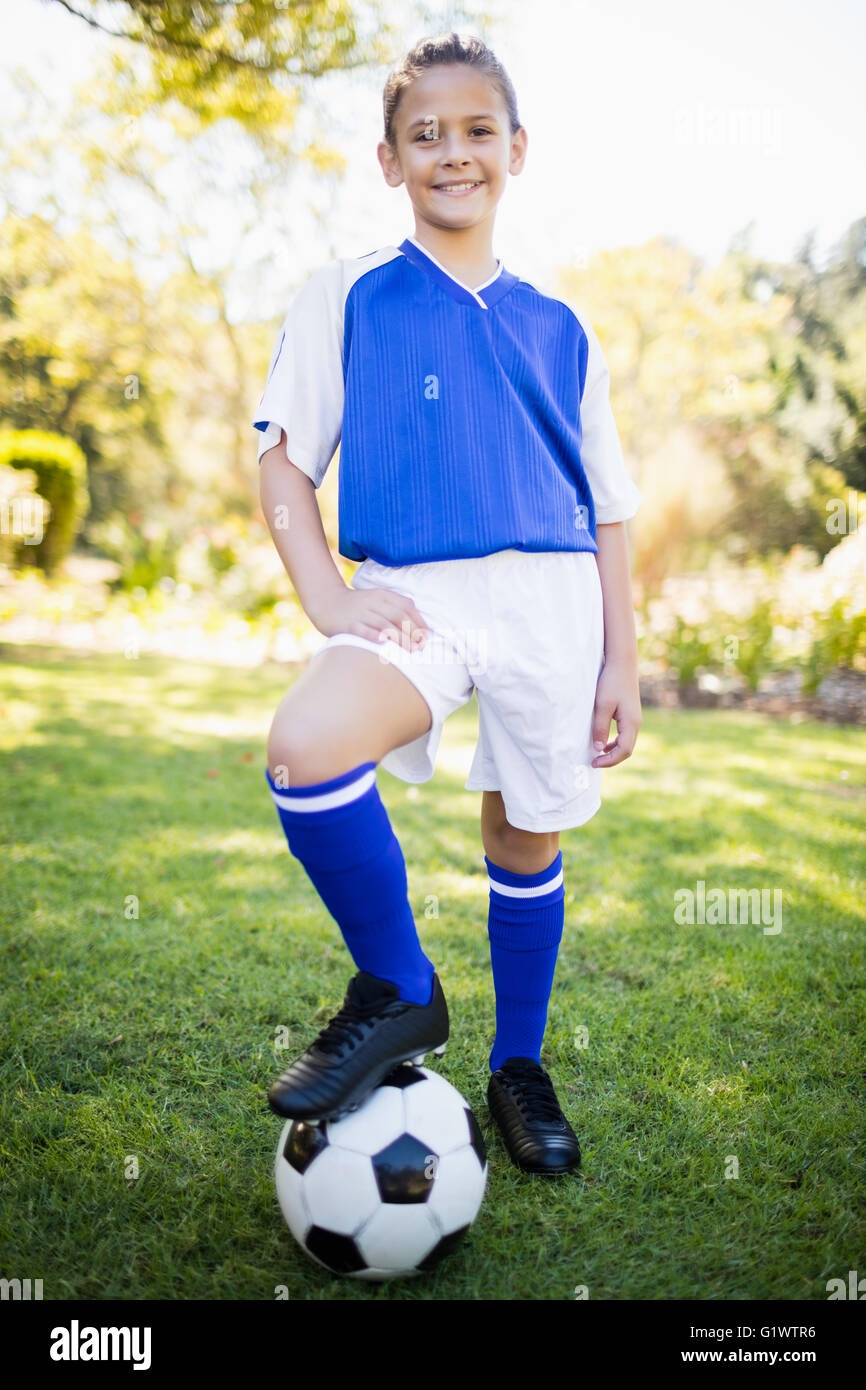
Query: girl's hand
{"x": 617, "y": 696}
{"x": 378, "y": 614}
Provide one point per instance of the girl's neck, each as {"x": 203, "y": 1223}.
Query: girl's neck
{"x": 466, "y": 253}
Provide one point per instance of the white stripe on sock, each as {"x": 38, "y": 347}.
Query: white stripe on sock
{"x": 326, "y": 800}
{"x": 535, "y": 892}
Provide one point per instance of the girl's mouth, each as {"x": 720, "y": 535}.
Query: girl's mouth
{"x": 457, "y": 190}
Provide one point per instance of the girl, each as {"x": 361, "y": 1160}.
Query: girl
{"x": 483, "y": 489}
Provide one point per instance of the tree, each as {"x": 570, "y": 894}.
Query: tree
{"x": 74, "y": 359}
{"x": 240, "y": 58}
{"x": 750, "y": 362}
{"x": 245, "y": 58}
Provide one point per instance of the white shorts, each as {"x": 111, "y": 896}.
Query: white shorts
{"x": 525, "y": 629}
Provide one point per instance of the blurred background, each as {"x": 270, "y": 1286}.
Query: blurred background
{"x": 171, "y": 173}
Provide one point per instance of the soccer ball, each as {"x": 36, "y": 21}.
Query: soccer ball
{"x": 391, "y": 1188}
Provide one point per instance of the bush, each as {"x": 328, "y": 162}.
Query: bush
{"x": 688, "y": 649}
{"x": 840, "y": 641}
{"x": 60, "y": 469}
{"x": 755, "y": 646}
{"x": 23, "y": 513}
{"x": 145, "y": 555}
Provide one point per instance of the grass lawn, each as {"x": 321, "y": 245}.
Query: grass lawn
{"x": 153, "y": 1037}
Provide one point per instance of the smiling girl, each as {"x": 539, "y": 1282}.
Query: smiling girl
{"x": 483, "y": 490}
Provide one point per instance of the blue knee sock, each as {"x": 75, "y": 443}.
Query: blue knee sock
{"x": 340, "y": 832}
{"x": 525, "y": 922}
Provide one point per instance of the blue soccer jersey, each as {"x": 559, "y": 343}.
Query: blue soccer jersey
{"x": 468, "y": 420}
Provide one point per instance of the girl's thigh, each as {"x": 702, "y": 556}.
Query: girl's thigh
{"x": 346, "y": 708}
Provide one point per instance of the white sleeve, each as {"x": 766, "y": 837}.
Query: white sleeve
{"x": 304, "y": 391}
{"x": 615, "y": 495}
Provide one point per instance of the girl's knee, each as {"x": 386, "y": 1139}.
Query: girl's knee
{"x": 303, "y": 751}
{"x": 294, "y": 747}
{"x": 521, "y": 851}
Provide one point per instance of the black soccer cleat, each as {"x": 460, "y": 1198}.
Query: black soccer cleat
{"x": 373, "y": 1032}
{"x": 523, "y": 1103}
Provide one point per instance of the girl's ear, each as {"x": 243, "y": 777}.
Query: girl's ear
{"x": 389, "y": 163}
{"x": 519, "y": 142}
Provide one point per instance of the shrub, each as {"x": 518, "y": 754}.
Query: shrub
{"x": 23, "y": 513}
{"x": 840, "y": 640}
{"x": 60, "y": 469}
{"x": 145, "y": 555}
{"x": 688, "y": 649}
{"x": 755, "y": 644}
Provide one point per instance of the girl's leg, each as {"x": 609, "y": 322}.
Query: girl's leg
{"x": 526, "y": 914}
{"x": 519, "y": 851}
{"x": 346, "y": 708}
{"x": 341, "y": 716}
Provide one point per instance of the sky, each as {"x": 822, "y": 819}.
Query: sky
{"x": 673, "y": 118}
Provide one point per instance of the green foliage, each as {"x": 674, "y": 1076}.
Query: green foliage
{"x": 688, "y": 650}
{"x": 61, "y": 478}
{"x": 81, "y": 355}
{"x": 256, "y": 605}
{"x": 779, "y": 503}
{"x": 754, "y": 654}
{"x": 840, "y": 641}
{"x": 691, "y": 648}
{"x": 818, "y": 419}
{"x": 145, "y": 554}
{"x": 221, "y": 558}
{"x": 214, "y": 61}
{"x": 23, "y": 513}
{"x": 852, "y": 456}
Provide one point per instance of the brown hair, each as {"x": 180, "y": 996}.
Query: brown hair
{"x": 445, "y": 48}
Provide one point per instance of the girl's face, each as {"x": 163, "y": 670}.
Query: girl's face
{"x": 452, "y": 129}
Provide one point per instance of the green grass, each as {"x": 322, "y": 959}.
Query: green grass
{"x": 154, "y": 1036}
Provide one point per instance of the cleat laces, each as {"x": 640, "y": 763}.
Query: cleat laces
{"x": 348, "y": 1026}
{"x": 532, "y": 1090}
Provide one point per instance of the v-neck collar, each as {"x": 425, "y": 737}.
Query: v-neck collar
{"x": 484, "y": 296}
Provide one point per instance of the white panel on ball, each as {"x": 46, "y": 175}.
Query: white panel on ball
{"x": 341, "y": 1190}
{"x": 398, "y": 1237}
{"x": 379, "y": 1120}
{"x": 436, "y": 1111}
{"x": 458, "y": 1189}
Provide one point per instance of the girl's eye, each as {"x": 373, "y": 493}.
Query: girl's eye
{"x": 429, "y": 139}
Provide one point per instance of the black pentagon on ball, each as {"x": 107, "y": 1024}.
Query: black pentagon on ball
{"x": 339, "y": 1253}
{"x": 303, "y": 1143}
{"x": 442, "y": 1248}
{"x": 403, "y": 1075}
{"x": 476, "y": 1138}
{"x": 404, "y": 1171}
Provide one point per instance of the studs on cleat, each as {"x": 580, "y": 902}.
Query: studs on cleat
{"x": 437, "y": 1052}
